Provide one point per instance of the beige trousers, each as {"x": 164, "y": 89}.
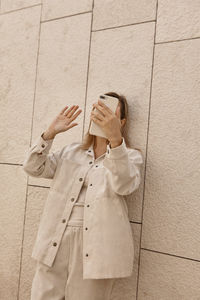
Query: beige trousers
{"x": 63, "y": 281}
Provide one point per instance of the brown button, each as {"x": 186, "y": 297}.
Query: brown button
{"x": 90, "y": 184}
{"x": 80, "y": 179}
{"x": 39, "y": 153}
{"x": 72, "y": 199}
{"x": 86, "y": 228}
{"x": 88, "y": 205}
{"x": 43, "y": 145}
{"x": 63, "y": 220}
{"x": 96, "y": 165}
{"x": 55, "y": 244}
{"x": 89, "y": 150}
{"x": 86, "y": 254}
{"x": 90, "y": 162}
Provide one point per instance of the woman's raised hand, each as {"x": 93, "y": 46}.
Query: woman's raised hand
{"x": 63, "y": 121}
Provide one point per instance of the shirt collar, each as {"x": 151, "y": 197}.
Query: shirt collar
{"x": 90, "y": 150}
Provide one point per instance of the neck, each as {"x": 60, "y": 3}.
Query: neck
{"x": 100, "y": 142}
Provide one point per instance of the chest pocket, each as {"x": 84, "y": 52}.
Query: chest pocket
{"x": 66, "y": 172}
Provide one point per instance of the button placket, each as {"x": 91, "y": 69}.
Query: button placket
{"x": 88, "y": 205}
{"x": 86, "y": 237}
{"x": 64, "y": 218}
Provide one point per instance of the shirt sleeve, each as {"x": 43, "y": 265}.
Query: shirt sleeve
{"x": 38, "y": 161}
{"x": 124, "y": 168}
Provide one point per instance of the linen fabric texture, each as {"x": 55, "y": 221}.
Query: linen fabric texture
{"x": 64, "y": 280}
{"x": 108, "y": 244}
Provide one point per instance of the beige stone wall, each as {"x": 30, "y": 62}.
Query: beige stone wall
{"x": 64, "y": 52}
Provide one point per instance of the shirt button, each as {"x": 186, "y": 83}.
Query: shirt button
{"x": 90, "y": 184}
{"x": 86, "y": 228}
{"x": 88, "y": 205}
{"x": 63, "y": 220}
{"x": 39, "y": 153}
{"x": 43, "y": 145}
{"x": 72, "y": 199}
{"x": 90, "y": 162}
{"x": 86, "y": 254}
{"x": 80, "y": 179}
{"x": 55, "y": 244}
{"x": 89, "y": 150}
{"x": 96, "y": 165}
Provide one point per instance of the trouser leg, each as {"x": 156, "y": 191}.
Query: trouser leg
{"x": 78, "y": 288}
{"x": 49, "y": 282}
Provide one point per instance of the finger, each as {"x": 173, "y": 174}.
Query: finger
{"x": 76, "y": 114}
{"x": 95, "y": 119}
{"x": 71, "y": 111}
{"x": 72, "y": 125}
{"x": 98, "y": 115}
{"x": 62, "y": 111}
{"x": 71, "y": 114}
{"x": 66, "y": 112}
{"x": 100, "y": 108}
{"x": 118, "y": 112}
{"x": 106, "y": 108}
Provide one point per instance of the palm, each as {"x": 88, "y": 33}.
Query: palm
{"x": 63, "y": 120}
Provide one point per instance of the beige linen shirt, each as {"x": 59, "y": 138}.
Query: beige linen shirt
{"x": 108, "y": 245}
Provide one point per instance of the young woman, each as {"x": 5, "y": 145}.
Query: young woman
{"x": 84, "y": 241}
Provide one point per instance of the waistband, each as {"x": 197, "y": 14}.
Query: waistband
{"x": 76, "y": 216}
{"x": 76, "y": 223}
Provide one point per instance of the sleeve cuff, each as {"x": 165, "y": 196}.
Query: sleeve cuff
{"x": 43, "y": 145}
{"x": 116, "y": 152}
